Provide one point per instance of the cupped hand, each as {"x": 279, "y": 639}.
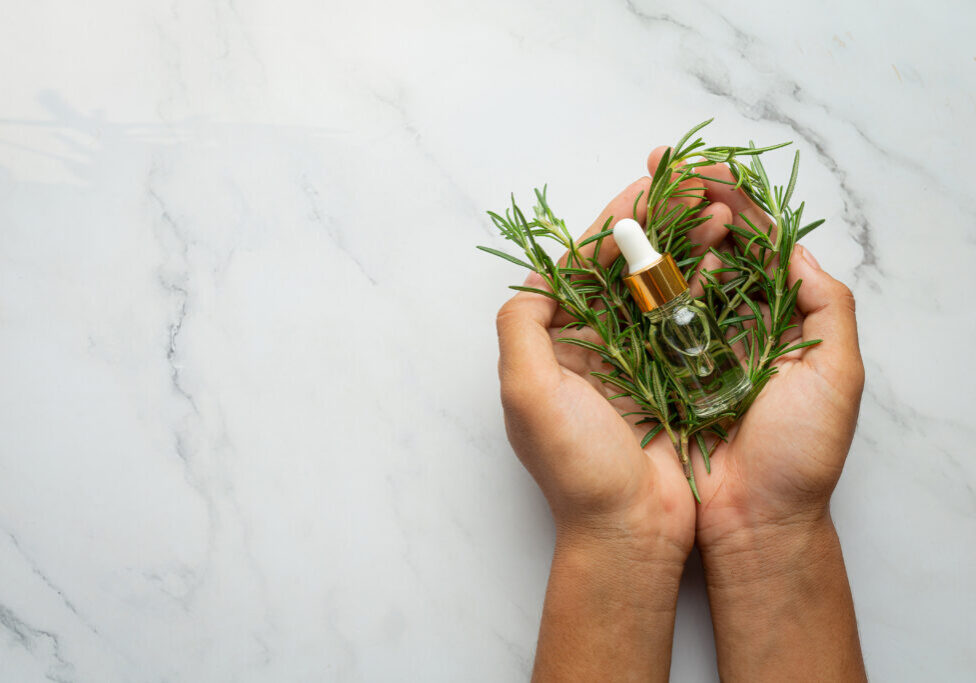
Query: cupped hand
{"x": 585, "y": 456}
{"x": 783, "y": 459}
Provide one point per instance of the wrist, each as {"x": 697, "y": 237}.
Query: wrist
{"x": 610, "y": 605}
{"x": 625, "y": 571}
{"x": 638, "y": 538}
{"x": 753, "y": 554}
{"x": 781, "y": 604}
{"x": 734, "y": 527}
{"x": 645, "y": 548}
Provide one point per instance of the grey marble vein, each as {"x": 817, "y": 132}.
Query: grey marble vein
{"x": 250, "y": 428}
{"x": 39, "y": 573}
{"x": 40, "y": 643}
{"x": 318, "y": 216}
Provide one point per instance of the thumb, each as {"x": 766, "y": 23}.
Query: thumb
{"x": 527, "y": 364}
{"x": 827, "y": 306}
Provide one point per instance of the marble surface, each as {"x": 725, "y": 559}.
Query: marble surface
{"x": 249, "y": 427}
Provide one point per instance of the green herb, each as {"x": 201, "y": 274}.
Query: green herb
{"x": 752, "y": 275}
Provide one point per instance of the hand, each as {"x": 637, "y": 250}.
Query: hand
{"x": 625, "y": 517}
{"x": 782, "y": 461}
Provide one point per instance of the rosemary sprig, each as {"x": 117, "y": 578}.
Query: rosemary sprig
{"x": 753, "y": 272}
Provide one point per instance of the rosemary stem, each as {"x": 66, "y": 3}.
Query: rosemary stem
{"x": 592, "y": 292}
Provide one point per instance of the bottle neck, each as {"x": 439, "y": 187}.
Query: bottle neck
{"x": 657, "y": 284}
{"x": 668, "y": 307}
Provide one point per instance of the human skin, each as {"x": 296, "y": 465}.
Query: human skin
{"x": 780, "y": 600}
{"x": 626, "y": 521}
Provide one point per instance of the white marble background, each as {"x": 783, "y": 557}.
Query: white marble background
{"x": 249, "y": 427}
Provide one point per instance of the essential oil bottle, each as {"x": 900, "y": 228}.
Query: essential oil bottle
{"x": 684, "y": 334}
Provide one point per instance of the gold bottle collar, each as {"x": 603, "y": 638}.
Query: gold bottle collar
{"x": 657, "y": 284}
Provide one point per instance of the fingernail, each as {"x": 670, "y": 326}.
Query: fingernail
{"x": 808, "y": 257}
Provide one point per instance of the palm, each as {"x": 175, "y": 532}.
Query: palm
{"x": 785, "y": 447}
{"x": 615, "y": 462}
{"x": 792, "y": 441}
{"x": 616, "y": 465}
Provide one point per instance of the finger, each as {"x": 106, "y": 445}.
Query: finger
{"x": 709, "y": 234}
{"x": 581, "y": 361}
{"x": 527, "y": 365}
{"x": 741, "y": 347}
{"x": 622, "y": 206}
{"x": 712, "y": 232}
{"x": 745, "y": 213}
{"x": 719, "y": 186}
{"x": 828, "y": 309}
{"x": 690, "y": 192}
{"x": 790, "y": 337}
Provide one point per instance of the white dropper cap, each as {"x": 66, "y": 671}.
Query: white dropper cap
{"x": 634, "y": 245}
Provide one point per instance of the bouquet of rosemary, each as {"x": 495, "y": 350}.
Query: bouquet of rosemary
{"x": 748, "y": 293}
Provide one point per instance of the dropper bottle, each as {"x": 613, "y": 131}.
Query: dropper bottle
{"x": 684, "y": 334}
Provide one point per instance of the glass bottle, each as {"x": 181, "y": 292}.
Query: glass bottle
{"x": 683, "y": 331}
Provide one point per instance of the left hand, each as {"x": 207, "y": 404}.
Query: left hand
{"x": 784, "y": 457}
